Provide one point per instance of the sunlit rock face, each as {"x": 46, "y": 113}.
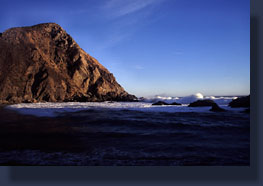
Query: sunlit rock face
{"x": 44, "y": 63}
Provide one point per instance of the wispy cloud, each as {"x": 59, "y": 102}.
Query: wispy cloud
{"x": 119, "y": 8}
{"x": 138, "y": 67}
{"x": 114, "y": 38}
{"x": 125, "y": 17}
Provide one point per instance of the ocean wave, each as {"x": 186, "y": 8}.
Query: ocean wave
{"x": 220, "y": 100}
{"x": 50, "y": 109}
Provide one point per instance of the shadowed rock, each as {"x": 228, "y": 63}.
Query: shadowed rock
{"x": 175, "y": 103}
{"x": 164, "y": 103}
{"x": 202, "y": 103}
{"x": 160, "y": 103}
{"x": 216, "y": 108}
{"x": 240, "y": 102}
{"x": 44, "y": 63}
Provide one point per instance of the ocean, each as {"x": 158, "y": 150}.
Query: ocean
{"x": 125, "y": 133}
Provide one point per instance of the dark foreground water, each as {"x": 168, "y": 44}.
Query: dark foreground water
{"x": 125, "y": 137}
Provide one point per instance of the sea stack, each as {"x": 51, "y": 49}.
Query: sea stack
{"x": 43, "y": 63}
{"x": 240, "y": 102}
{"x": 202, "y": 103}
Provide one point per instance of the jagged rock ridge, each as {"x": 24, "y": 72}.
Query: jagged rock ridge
{"x": 43, "y": 63}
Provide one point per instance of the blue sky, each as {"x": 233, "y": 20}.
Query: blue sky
{"x": 154, "y": 47}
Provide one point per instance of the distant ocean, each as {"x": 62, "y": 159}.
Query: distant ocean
{"x": 138, "y": 133}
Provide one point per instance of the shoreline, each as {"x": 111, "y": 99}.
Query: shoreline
{"x": 111, "y": 137}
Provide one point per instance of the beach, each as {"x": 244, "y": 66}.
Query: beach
{"x": 115, "y": 137}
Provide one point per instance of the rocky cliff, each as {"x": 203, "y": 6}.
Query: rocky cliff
{"x": 44, "y": 63}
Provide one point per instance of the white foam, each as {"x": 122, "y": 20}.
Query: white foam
{"x": 154, "y": 99}
{"x": 183, "y": 100}
{"x": 223, "y": 100}
{"x": 54, "y": 109}
{"x": 191, "y": 98}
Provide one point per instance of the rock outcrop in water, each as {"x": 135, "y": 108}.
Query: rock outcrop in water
{"x": 160, "y": 103}
{"x": 216, "y": 108}
{"x": 164, "y": 103}
{"x": 175, "y": 103}
{"x": 202, "y": 103}
{"x": 240, "y": 102}
{"x": 43, "y": 63}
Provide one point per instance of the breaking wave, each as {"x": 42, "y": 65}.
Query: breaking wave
{"x": 50, "y": 109}
{"x": 220, "y": 100}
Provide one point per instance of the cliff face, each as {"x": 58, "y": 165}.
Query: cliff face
{"x": 43, "y": 63}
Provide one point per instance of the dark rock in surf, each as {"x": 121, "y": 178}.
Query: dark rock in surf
{"x": 202, "y": 103}
{"x": 160, "y": 103}
{"x": 216, "y": 108}
{"x": 240, "y": 102}
{"x": 164, "y": 103}
{"x": 175, "y": 103}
